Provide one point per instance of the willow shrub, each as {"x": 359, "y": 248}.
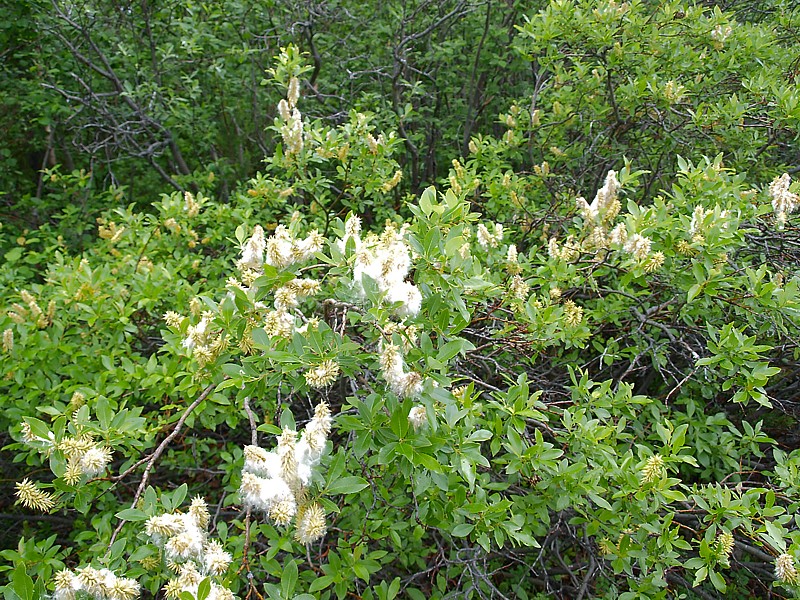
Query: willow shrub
{"x": 410, "y": 401}
{"x": 650, "y": 81}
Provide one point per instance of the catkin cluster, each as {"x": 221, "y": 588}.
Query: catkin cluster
{"x": 600, "y": 236}
{"x": 276, "y": 482}
{"x": 204, "y": 343}
{"x": 183, "y": 538}
{"x": 386, "y": 259}
{"x": 418, "y": 416}
{"x": 785, "y": 569}
{"x": 404, "y": 383}
{"x": 32, "y": 312}
{"x": 292, "y": 127}
{"x": 490, "y": 239}
{"x": 8, "y": 340}
{"x": 281, "y": 250}
{"x": 85, "y": 459}
{"x": 30, "y": 496}
{"x": 100, "y": 584}
{"x": 784, "y": 202}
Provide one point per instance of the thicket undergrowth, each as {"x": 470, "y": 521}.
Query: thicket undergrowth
{"x": 568, "y": 368}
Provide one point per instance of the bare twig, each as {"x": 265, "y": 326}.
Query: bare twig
{"x": 151, "y": 460}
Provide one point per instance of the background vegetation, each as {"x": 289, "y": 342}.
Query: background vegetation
{"x": 595, "y": 398}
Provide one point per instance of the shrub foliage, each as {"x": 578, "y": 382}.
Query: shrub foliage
{"x": 563, "y": 364}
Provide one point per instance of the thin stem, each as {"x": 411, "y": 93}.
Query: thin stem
{"x": 151, "y": 460}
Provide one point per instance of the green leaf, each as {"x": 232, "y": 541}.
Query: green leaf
{"x": 288, "y": 579}
{"x": 467, "y": 469}
{"x": 38, "y": 428}
{"x": 427, "y": 201}
{"x": 320, "y": 583}
{"x": 462, "y": 530}
{"x": 103, "y": 412}
{"x": 694, "y": 291}
{"x": 427, "y": 461}
{"x": 450, "y": 349}
{"x": 9, "y": 593}
{"x": 287, "y": 419}
{"x": 178, "y": 496}
{"x": 117, "y": 549}
{"x": 347, "y": 485}
{"x": 140, "y": 553}
{"x": 415, "y": 594}
{"x": 480, "y": 436}
{"x": 270, "y": 428}
{"x": 13, "y": 255}
{"x": 261, "y": 338}
{"x": 22, "y": 582}
{"x": 204, "y": 589}
{"x": 718, "y": 581}
{"x": 394, "y": 588}
{"x": 600, "y": 501}
{"x": 700, "y": 576}
{"x": 775, "y": 535}
{"x": 525, "y": 539}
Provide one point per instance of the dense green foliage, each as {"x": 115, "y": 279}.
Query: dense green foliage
{"x": 261, "y": 211}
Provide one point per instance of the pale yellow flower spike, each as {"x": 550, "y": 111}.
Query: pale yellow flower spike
{"x": 32, "y": 497}
{"x": 653, "y": 469}
{"x": 785, "y": 569}
{"x": 323, "y": 374}
{"x": 8, "y": 340}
